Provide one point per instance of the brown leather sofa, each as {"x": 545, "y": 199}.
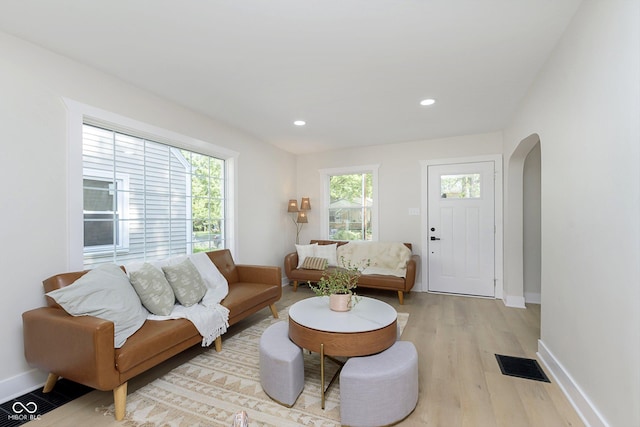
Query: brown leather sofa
{"x": 374, "y": 281}
{"x": 81, "y": 348}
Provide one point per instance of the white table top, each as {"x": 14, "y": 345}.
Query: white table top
{"x": 367, "y": 315}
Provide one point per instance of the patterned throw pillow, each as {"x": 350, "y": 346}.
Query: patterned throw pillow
{"x": 314, "y": 263}
{"x": 186, "y": 282}
{"x": 153, "y": 289}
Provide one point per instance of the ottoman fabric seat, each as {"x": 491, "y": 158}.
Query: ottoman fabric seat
{"x": 381, "y": 389}
{"x": 281, "y": 365}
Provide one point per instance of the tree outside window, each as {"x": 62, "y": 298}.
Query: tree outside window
{"x": 350, "y": 206}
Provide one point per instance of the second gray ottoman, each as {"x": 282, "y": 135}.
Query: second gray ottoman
{"x": 379, "y": 390}
{"x": 281, "y": 365}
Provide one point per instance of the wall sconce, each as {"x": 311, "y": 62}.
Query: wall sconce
{"x": 299, "y": 216}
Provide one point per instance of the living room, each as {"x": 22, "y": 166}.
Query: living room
{"x": 582, "y": 105}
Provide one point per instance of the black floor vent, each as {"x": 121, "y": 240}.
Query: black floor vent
{"x": 31, "y": 406}
{"x": 522, "y": 368}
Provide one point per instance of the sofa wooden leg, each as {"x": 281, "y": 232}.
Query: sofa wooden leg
{"x": 401, "y": 297}
{"x": 218, "y": 343}
{"x": 295, "y": 285}
{"x": 274, "y": 310}
{"x": 120, "y": 401}
{"x": 51, "y": 382}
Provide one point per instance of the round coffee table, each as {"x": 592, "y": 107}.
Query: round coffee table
{"x": 368, "y": 328}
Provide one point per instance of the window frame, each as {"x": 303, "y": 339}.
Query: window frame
{"x": 79, "y": 114}
{"x": 325, "y": 175}
{"x": 123, "y": 206}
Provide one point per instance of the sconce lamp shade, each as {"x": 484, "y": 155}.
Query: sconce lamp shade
{"x": 293, "y": 206}
{"x": 305, "y": 204}
{"x": 302, "y": 218}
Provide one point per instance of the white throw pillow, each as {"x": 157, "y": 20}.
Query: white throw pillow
{"x": 328, "y": 252}
{"x": 104, "y": 292}
{"x": 305, "y": 251}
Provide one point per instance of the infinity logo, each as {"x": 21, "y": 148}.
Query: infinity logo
{"x": 19, "y": 407}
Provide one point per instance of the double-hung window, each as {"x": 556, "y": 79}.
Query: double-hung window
{"x": 350, "y": 203}
{"x": 103, "y": 202}
{"x": 144, "y": 200}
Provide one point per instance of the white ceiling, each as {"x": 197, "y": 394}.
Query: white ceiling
{"x": 355, "y": 70}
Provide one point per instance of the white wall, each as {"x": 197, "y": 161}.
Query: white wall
{"x": 33, "y": 167}
{"x": 585, "y": 107}
{"x": 399, "y": 177}
{"x": 531, "y": 226}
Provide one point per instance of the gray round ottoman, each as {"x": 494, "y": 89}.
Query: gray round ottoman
{"x": 281, "y": 365}
{"x": 381, "y": 389}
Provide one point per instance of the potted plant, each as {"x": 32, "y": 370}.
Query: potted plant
{"x": 339, "y": 285}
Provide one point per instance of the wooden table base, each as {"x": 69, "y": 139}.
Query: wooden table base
{"x": 347, "y": 344}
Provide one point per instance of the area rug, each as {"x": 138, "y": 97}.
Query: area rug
{"x": 210, "y": 388}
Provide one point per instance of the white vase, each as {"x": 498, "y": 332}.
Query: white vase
{"x": 340, "y": 302}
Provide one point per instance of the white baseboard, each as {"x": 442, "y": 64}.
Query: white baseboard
{"x": 533, "y": 298}
{"x": 515, "y": 302}
{"x": 583, "y": 406}
{"x": 21, "y": 384}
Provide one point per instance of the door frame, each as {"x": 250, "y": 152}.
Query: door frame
{"x": 498, "y": 212}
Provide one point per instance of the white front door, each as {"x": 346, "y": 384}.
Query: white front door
{"x": 461, "y": 228}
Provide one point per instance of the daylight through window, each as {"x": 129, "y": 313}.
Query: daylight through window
{"x": 143, "y": 200}
{"x": 350, "y": 206}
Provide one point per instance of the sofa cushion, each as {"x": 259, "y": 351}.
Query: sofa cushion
{"x": 153, "y": 289}
{"x": 245, "y": 297}
{"x": 305, "y": 251}
{"x": 104, "y": 292}
{"x": 153, "y": 338}
{"x": 186, "y": 282}
{"x": 314, "y": 263}
{"x": 329, "y": 252}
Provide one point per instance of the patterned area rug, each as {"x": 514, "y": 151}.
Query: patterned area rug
{"x": 210, "y": 388}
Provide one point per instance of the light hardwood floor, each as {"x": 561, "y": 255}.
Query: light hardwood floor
{"x": 460, "y": 381}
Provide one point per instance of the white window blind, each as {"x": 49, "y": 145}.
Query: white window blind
{"x": 144, "y": 200}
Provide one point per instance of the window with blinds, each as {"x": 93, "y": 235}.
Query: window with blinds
{"x": 144, "y": 200}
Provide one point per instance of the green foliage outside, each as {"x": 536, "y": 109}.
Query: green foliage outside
{"x": 207, "y": 191}
{"x": 349, "y": 223}
{"x": 346, "y": 235}
{"x": 353, "y": 188}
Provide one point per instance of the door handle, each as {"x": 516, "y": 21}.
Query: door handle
{"x": 435, "y": 238}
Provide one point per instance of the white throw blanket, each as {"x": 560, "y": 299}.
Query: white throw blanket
{"x": 210, "y": 318}
{"x": 388, "y": 258}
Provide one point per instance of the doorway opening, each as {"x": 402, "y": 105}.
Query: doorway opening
{"x": 523, "y": 224}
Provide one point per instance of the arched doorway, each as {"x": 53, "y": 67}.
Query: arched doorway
{"x": 531, "y": 225}
{"x": 514, "y": 292}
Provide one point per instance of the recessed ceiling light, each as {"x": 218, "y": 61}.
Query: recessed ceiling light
{"x": 428, "y": 101}
{"x": 299, "y": 123}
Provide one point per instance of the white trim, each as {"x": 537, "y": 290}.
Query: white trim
{"x": 324, "y": 196}
{"x": 499, "y": 222}
{"x": 78, "y": 113}
{"x": 533, "y": 297}
{"x": 21, "y": 384}
{"x": 578, "y": 399}
{"x": 514, "y": 302}
{"x": 123, "y": 207}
